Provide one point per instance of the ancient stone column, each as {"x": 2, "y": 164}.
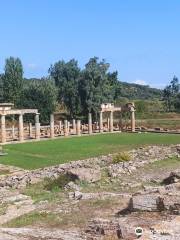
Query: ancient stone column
{"x": 68, "y": 127}
{"x": 111, "y": 121}
{"x": 21, "y": 128}
{"x": 74, "y": 126}
{"x": 90, "y": 123}
{"x": 3, "y": 128}
{"x": 30, "y": 130}
{"x": 13, "y": 132}
{"x": 100, "y": 122}
{"x": 60, "y": 126}
{"x": 120, "y": 123}
{"x": 37, "y": 127}
{"x": 78, "y": 127}
{"x": 133, "y": 121}
{"x": 52, "y": 125}
{"x": 108, "y": 124}
{"x": 65, "y": 128}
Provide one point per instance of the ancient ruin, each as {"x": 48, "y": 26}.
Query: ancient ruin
{"x": 24, "y": 131}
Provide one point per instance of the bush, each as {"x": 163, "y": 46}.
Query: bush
{"x": 121, "y": 157}
{"x": 60, "y": 182}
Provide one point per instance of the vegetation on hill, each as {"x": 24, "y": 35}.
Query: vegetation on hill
{"x": 135, "y": 91}
{"x": 78, "y": 91}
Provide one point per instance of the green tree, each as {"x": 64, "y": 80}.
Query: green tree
{"x": 170, "y": 94}
{"x": 13, "y": 80}
{"x": 40, "y": 94}
{"x": 97, "y": 85}
{"x": 66, "y": 77}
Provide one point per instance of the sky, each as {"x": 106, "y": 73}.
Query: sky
{"x": 139, "y": 38}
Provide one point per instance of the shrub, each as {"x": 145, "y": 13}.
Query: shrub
{"x": 60, "y": 182}
{"x": 121, "y": 157}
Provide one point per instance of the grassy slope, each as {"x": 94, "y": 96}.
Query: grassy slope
{"x": 51, "y": 152}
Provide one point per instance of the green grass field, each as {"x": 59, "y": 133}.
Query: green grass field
{"x": 34, "y": 155}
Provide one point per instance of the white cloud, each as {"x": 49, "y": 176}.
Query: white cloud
{"x": 140, "y": 82}
{"x": 32, "y": 66}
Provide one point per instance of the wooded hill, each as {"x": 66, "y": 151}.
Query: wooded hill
{"x": 134, "y": 91}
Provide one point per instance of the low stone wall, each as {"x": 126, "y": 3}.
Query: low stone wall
{"x": 93, "y": 166}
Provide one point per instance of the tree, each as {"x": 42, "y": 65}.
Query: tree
{"x": 66, "y": 77}
{"x": 97, "y": 85}
{"x": 170, "y": 94}
{"x": 13, "y": 80}
{"x": 40, "y": 94}
{"x": 1, "y": 88}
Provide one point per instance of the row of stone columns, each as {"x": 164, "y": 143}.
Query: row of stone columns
{"x": 21, "y": 128}
{"x": 76, "y": 126}
{"x": 110, "y": 122}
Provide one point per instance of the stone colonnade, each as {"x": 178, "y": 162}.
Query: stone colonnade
{"x": 5, "y": 110}
{"x": 66, "y": 129}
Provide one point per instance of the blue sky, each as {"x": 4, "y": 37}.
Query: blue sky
{"x": 139, "y": 38}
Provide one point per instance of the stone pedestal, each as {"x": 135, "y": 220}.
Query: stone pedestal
{"x": 52, "y": 125}
{"x": 21, "y": 128}
{"x": 100, "y": 122}
{"x": 111, "y": 121}
{"x": 78, "y": 127}
{"x": 90, "y": 123}
{"x": 3, "y": 128}
{"x": 37, "y": 126}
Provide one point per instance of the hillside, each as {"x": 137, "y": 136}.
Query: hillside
{"x": 136, "y": 91}
{"x": 132, "y": 91}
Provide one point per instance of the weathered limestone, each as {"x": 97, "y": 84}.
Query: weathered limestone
{"x": 52, "y": 125}
{"x": 86, "y": 174}
{"x": 66, "y": 128}
{"x": 60, "y": 126}
{"x": 6, "y": 109}
{"x": 37, "y": 126}
{"x": 3, "y": 128}
{"x": 133, "y": 120}
{"x": 111, "y": 121}
{"x": 108, "y": 123}
{"x": 121, "y": 123}
{"x": 90, "y": 123}
{"x": 78, "y": 127}
{"x": 30, "y": 130}
{"x": 13, "y": 132}
{"x": 101, "y": 122}
{"x": 21, "y": 128}
{"x": 74, "y": 126}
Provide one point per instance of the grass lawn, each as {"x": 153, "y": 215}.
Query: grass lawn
{"x": 34, "y": 155}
